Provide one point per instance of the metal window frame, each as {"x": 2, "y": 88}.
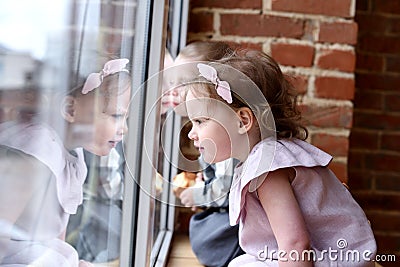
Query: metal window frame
{"x": 134, "y": 138}
{"x": 138, "y": 206}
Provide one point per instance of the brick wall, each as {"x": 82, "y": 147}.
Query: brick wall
{"x": 314, "y": 40}
{"x": 374, "y": 158}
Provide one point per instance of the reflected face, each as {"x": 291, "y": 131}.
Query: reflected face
{"x": 102, "y": 124}
{"x": 213, "y": 128}
{"x": 177, "y": 74}
{"x": 167, "y": 98}
{"x": 170, "y": 99}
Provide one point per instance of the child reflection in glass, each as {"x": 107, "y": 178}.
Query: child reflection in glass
{"x": 43, "y": 168}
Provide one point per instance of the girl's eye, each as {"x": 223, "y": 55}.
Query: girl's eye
{"x": 200, "y": 121}
{"x": 118, "y": 116}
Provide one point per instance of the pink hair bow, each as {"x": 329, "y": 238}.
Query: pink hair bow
{"x": 222, "y": 87}
{"x": 94, "y": 80}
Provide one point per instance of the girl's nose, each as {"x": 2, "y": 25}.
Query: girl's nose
{"x": 123, "y": 129}
{"x": 175, "y": 92}
{"x": 192, "y": 134}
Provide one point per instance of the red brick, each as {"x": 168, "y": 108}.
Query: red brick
{"x": 390, "y": 7}
{"x": 378, "y": 81}
{"x": 392, "y": 102}
{"x": 338, "y": 32}
{"x": 388, "y": 244}
{"x": 379, "y": 201}
{"x": 384, "y": 221}
{"x": 201, "y": 22}
{"x": 379, "y": 44}
{"x": 364, "y": 139}
{"x": 390, "y": 141}
{"x": 328, "y": 116}
{"x": 336, "y": 60}
{"x": 340, "y": 170}
{"x": 299, "y": 82}
{"x": 246, "y": 45}
{"x": 388, "y": 182}
{"x": 369, "y": 100}
{"x": 394, "y": 27}
{"x": 393, "y": 63}
{"x": 356, "y": 160}
{"x": 371, "y": 23}
{"x": 334, "y": 145}
{"x": 382, "y": 162}
{"x": 362, "y": 5}
{"x": 386, "y": 257}
{"x": 248, "y": 4}
{"x": 380, "y": 121}
{"x": 378, "y": 64}
{"x": 293, "y": 54}
{"x": 334, "y": 87}
{"x": 261, "y": 25}
{"x": 321, "y": 7}
{"x": 369, "y": 62}
{"x": 358, "y": 180}
{"x": 391, "y": 243}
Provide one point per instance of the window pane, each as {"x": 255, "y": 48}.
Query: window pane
{"x": 65, "y": 90}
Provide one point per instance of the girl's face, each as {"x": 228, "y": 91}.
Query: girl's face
{"x": 180, "y": 71}
{"x": 214, "y": 128}
{"x": 168, "y": 97}
{"x": 101, "y": 125}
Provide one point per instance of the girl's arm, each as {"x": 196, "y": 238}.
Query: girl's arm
{"x": 286, "y": 219}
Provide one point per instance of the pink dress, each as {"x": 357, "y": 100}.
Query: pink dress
{"x": 40, "y": 186}
{"x": 340, "y": 233}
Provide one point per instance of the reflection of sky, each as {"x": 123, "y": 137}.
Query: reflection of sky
{"x": 25, "y": 24}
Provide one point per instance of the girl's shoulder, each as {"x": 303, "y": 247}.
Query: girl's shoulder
{"x": 41, "y": 143}
{"x": 35, "y": 139}
{"x": 270, "y": 155}
{"x": 296, "y": 152}
{"x": 267, "y": 156}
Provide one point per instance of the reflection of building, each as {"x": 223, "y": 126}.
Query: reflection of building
{"x": 17, "y": 70}
{"x": 18, "y": 83}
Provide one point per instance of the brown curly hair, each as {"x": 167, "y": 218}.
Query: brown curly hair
{"x": 266, "y": 74}
{"x": 206, "y": 51}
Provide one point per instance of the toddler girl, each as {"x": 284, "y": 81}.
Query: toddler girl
{"x": 214, "y": 242}
{"x": 200, "y": 51}
{"x": 292, "y": 210}
{"x": 43, "y": 169}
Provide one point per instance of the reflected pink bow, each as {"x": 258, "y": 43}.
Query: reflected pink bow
{"x": 94, "y": 80}
{"x": 222, "y": 87}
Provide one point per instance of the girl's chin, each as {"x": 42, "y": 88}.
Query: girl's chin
{"x": 99, "y": 151}
{"x": 208, "y": 159}
{"x": 211, "y": 159}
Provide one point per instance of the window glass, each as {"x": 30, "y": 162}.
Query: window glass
{"x": 155, "y": 214}
{"x": 65, "y": 92}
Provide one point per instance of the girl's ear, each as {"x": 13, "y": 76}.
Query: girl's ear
{"x": 246, "y": 119}
{"x": 68, "y": 108}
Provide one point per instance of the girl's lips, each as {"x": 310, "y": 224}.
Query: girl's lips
{"x": 113, "y": 143}
{"x": 170, "y": 103}
{"x": 200, "y": 148}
